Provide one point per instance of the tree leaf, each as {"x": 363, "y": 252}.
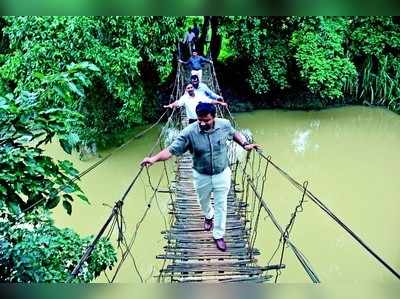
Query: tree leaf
{"x": 3, "y": 103}
{"x": 84, "y": 198}
{"x": 93, "y": 67}
{"x": 67, "y": 206}
{"x": 66, "y": 146}
{"x": 52, "y": 202}
{"x": 38, "y": 75}
{"x": 75, "y": 88}
{"x": 3, "y": 190}
{"x": 68, "y": 197}
{"x": 68, "y": 189}
{"x": 59, "y": 90}
{"x": 14, "y": 207}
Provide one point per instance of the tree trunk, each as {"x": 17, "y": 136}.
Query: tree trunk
{"x": 216, "y": 38}
{"x": 4, "y": 43}
{"x": 203, "y": 35}
{"x": 151, "y": 106}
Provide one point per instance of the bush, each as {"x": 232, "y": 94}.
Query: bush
{"x": 34, "y": 250}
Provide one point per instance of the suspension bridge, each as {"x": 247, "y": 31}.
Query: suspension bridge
{"x": 190, "y": 254}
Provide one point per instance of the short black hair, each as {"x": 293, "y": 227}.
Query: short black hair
{"x": 203, "y": 109}
{"x": 194, "y": 77}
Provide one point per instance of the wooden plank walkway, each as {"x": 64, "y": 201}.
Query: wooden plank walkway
{"x": 191, "y": 253}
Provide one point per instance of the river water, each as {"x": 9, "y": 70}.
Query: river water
{"x": 349, "y": 156}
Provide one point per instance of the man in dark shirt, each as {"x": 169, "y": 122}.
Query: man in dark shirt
{"x": 195, "y": 63}
{"x": 207, "y": 140}
{"x": 196, "y": 32}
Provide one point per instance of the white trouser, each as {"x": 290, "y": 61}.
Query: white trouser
{"x": 199, "y": 73}
{"x": 219, "y": 184}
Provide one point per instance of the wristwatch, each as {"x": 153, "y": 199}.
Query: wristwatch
{"x": 244, "y": 144}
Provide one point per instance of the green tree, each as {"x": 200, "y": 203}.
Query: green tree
{"x": 27, "y": 177}
{"x": 31, "y": 183}
{"x": 261, "y": 47}
{"x": 283, "y": 50}
{"x": 121, "y": 47}
{"x": 374, "y": 45}
{"x": 318, "y": 49}
{"x": 34, "y": 250}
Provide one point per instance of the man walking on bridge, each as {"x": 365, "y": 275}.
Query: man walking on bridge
{"x": 203, "y": 89}
{"x": 195, "y": 63}
{"x": 190, "y": 100}
{"x": 206, "y": 140}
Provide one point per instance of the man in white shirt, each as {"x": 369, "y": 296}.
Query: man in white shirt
{"x": 202, "y": 88}
{"x": 190, "y": 100}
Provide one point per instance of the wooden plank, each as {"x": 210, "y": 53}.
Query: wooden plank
{"x": 191, "y": 251}
{"x": 188, "y": 259}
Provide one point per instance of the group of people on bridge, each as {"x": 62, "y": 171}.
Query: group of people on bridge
{"x": 206, "y": 137}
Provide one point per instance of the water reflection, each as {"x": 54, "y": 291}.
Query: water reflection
{"x": 301, "y": 140}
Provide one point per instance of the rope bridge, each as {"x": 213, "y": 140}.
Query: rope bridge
{"x": 190, "y": 254}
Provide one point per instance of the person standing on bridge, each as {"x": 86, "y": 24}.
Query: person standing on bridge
{"x": 206, "y": 139}
{"x": 188, "y": 39}
{"x": 203, "y": 89}
{"x": 196, "y": 31}
{"x": 195, "y": 63}
{"x": 190, "y": 99}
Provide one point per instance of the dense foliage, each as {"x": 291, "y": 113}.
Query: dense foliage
{"x": 332, "y": 59}
{"x": 289, "y": 61}
{"x": 27, "y": 176}
{"x": 266, "y": 56}
{"x": 320, "y": 56}
{"x": 374, "y": 45}
{"x": 34, "y": 250}
{"x": 129, "y": 51}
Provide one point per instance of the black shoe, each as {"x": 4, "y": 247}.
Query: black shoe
{"x": 221, "y": 245}
{"x": 208, "y": 224}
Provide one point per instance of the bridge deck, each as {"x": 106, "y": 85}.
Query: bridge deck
{"x": 191, "y": 252}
